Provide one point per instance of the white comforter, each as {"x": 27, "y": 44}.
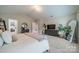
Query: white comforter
{"x": 25, "y": 44}
{"x": 37, "y": 36}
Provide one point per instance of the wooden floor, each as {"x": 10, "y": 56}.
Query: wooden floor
{"x": 60, "y": 45}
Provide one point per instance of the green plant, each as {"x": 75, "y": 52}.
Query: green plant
{"x": 65, "y": 29}
{"x": 61, "y": 27}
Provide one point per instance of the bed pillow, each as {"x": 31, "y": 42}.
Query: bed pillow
{"x": 7, "y": 37}
{"x": 1, "y": 42}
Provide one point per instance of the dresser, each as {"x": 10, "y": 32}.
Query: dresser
{"x": 51, "y": 32}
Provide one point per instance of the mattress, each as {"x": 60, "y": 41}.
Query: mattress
{"x": 24, "y": 44}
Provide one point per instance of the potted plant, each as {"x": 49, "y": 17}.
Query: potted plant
{"x": 67, "y": 30}
{"x": 61, "y": 30}
{"x": 64, "y": 31}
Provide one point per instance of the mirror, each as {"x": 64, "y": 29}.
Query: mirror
{"x": 24, "y": 28}
{"x": 2, "y": 25}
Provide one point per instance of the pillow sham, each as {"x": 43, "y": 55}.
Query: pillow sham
{"x": 7, "y": 37}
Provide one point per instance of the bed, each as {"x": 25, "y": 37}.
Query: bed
{"x": 25, "y": 44}
{"x": 37, "y": 36}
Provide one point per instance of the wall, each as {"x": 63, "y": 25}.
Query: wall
{"x": 20, "y": 17}
{"x": 57, "y": 20}
{"x": 77, "y": 17}
{"x": 23, "y": 18}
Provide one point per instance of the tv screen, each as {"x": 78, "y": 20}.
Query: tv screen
{"x": 51, "y": 26}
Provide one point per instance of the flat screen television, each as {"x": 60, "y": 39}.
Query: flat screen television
{"x": 51, "y": 26}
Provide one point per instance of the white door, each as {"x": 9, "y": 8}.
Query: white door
{"x": 34, "y": 27}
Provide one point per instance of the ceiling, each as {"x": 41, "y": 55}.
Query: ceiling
{"x": 41, "y": 11}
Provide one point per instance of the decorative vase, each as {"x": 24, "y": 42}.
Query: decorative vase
{"x": 61, "y": 34}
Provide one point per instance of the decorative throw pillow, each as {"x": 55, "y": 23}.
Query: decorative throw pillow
{"x": 7, "y": 37}
{"x": 1, "y": 42}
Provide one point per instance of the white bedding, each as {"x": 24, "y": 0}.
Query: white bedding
{"x": 25, "y": 44}
{"x": 37, "y": 36}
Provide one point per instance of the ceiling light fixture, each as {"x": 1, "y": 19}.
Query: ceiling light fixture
{"x": 37, "y": 8}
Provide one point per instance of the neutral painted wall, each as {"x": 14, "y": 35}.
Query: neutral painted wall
{"x": 77, "y": 17}
{"x": 21, "y": 18}
{"x": 57, "y": 21}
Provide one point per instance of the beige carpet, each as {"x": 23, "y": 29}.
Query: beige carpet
{"x": 60, "y": 45}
